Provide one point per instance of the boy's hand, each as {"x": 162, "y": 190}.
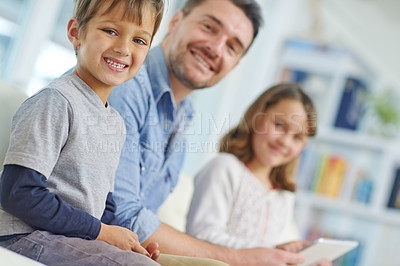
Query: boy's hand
{"x": 152, "y": 248}
{"x": 125, "y": 239}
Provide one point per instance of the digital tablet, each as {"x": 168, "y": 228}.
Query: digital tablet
{"x": 324, "y": 249}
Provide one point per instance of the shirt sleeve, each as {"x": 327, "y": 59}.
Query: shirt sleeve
{"x": 24, "y": 194}
{"x": 214, "y": 193}
{"x": 109, "y": 216}
{"x": 131, "y": 101}
{"x": 40, "y": 129}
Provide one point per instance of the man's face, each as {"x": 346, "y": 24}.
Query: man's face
{"x": 205, "y": 45}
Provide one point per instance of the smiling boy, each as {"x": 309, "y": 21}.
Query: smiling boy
{"x": 56, "y": 187}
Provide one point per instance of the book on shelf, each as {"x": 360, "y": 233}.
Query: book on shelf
{"x": 352, "y": 104}
{"x": 322, "y": 172}
{"x": 394, "y": 199}
{"x": 332, "y": 176}
{"x": 359, "y": 182}
{"x": 306, "y": 171}
{"x": 294, "y": 75}
{"x": 336, "y": 175}
{"x": 314, "y": 84}
{"x": 363, "y": 189}
{"x": 354, "y": 173}
{"x": 319, "y": 170}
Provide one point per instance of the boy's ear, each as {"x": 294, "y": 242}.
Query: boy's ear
{"x": 73, "y": 32}
{"x": 175, "y": 20}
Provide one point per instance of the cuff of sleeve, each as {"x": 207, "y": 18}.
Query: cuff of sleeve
{"x": 145, "y": 224}
{"x": 94, "y": 229}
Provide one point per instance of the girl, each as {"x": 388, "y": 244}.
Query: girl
{"x": 244, "y": 197}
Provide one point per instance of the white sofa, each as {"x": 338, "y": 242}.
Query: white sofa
{"x": 10, "y": 258}
{"x": 174, "y": 210}
{"x": 10, "y": 99}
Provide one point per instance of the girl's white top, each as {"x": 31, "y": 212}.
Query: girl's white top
{"x": 231, "y": 207}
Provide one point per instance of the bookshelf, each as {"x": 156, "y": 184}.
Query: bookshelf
{"x": 347, "y": 176}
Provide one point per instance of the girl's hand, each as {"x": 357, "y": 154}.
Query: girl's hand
{"x": 293, "y": 246}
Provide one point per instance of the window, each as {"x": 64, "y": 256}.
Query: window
{"x": 56, "y": 55}
{"x": 12, "y": 20}
{"x": 34, "y": 48}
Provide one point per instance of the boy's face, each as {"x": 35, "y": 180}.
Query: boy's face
{"x": 110, "y": 50}
{"x": 205, "y": 45}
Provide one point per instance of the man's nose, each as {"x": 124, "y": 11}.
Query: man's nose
{"x": 216, "y": 46}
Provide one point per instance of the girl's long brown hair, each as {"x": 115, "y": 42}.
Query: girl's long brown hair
{"x": 238, "y": 141}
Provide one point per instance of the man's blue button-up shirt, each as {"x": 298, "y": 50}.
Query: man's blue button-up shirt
{"x": 153, "y": 153}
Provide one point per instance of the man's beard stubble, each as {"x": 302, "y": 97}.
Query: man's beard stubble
{"x": 176, "y": 66}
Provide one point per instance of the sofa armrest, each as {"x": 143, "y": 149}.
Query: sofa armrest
{"x": 174, "y": 210}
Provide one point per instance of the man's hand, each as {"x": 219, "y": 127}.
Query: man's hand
{"x": 125, "y": 239}
{"x": 267, "y": 256}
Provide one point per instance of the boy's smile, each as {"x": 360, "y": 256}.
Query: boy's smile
{"x": 115, "y": 64}
{"x": 111, "y": 50}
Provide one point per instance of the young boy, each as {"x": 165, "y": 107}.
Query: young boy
{"x": 56, "y": 186}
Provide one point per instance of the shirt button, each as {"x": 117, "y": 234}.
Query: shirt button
{"x": 166, "y": 125}
{"x": 143, "y": 169}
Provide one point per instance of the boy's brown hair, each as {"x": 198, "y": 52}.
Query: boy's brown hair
{"x": 85, "y": 10}
{"x": 238, "y": 141}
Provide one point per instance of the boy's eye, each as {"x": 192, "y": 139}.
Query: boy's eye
{"x": 111, "y": 32}
{"x": 140, "y": 41}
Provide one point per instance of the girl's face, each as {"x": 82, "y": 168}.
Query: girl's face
{"x": 280, "y": 134}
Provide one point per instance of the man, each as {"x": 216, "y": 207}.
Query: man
{"x": 205, "y": 41}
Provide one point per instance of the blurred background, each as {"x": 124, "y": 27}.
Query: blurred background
{"x": 345, "y": 53}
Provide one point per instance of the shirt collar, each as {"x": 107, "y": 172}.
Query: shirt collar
{"x": 158, "y": 74}
{"x": 159, "y": 79}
